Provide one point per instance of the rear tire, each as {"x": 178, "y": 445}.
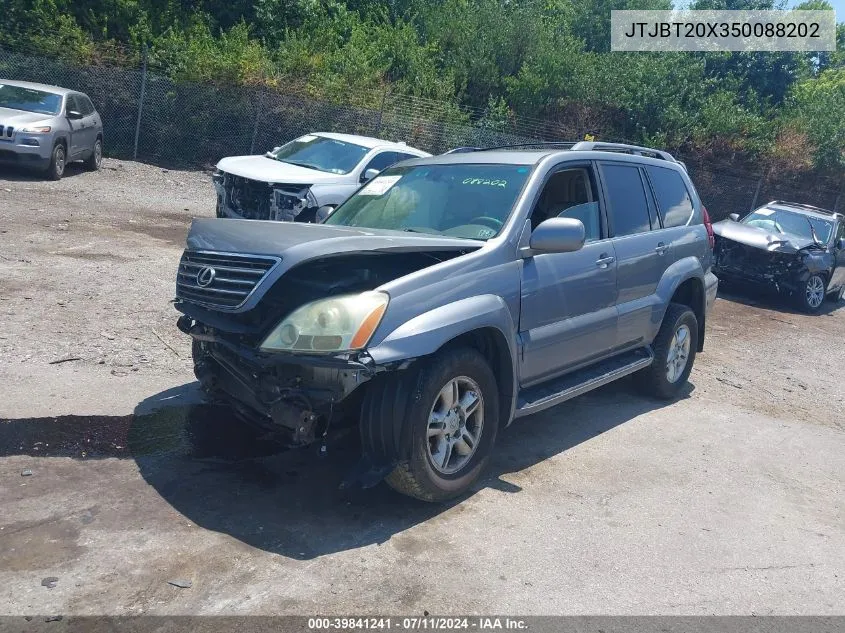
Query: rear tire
{"x": 674, "y": 350}
{"x": 58, "y": 161}
{"x": 451, "y": 409}
{"x": 95, "y": 160}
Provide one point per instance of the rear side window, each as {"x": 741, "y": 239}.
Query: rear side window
{"x": 400, "y": 156}
{"x": 673, "y": 198}
{"x": 626, "y": 199}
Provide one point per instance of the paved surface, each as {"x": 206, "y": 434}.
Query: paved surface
{"x": 728, "y": 501}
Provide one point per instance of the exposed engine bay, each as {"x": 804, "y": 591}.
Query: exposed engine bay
{"x": 255, "y": 200}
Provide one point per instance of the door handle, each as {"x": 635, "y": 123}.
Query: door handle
{"x": 660, "y": 249}
{"x": 605, "y": 260}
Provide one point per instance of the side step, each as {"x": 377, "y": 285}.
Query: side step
{"x": 549, "y": 394}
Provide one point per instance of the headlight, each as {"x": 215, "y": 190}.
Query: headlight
{"x": 338, "y": 324}
{"x": 37, "y": 130}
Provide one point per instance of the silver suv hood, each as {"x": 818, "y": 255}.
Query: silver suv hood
{"x": 295, "y": 242}
{"x": 271, "y": 170}
{"x": 20, "y": 118}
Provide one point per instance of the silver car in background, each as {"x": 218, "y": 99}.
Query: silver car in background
{"x": 46, "y": 127}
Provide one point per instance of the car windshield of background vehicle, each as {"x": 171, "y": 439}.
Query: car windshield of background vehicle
{"x": 786, "y": 222}
{"x": 321, "y": 153}
{"x": 466, "y": 201}
{"x": 29, "y": 100}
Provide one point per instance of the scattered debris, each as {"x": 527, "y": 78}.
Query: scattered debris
{"x": 53, "y": 618}
{"x": 117, "y": 372}
{"x": 728, "y": 382}
{"x": 64, "y": 360}
{"x": 107, "y": 335}
{"x": 49, "y": 582}
{"x": 168, "y": 345}
{"x": 182, "y": 584}
{"x": 26, "y": 472}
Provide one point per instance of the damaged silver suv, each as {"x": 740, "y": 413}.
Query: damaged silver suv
{"x": 451, "y": 295}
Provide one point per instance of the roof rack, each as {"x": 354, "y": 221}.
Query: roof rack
{"x": 582, "y": 146}
{"x": 804, "y": 206}
{"x": 623, "y": 148}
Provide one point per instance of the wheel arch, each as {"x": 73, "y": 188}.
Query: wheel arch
{"x": 683, "y": 283}
{"x": 483, "y": 322}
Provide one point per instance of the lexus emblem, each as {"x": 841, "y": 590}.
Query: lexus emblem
{"x": 205, "y": 276}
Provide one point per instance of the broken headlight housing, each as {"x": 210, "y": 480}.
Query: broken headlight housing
{"x": 338, "y": 324}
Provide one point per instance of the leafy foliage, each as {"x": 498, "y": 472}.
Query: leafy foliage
{"x": 545, "y": 59}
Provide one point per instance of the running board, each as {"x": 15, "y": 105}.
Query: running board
{"x": 549, "y": 394}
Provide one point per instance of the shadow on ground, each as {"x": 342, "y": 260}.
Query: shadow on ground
{"x": 224, "y": 476}
{"x": 21, "y": 173}
{"x": 754, "y": 297}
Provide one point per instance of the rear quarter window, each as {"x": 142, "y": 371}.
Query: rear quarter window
{"x": 673, "y": 198}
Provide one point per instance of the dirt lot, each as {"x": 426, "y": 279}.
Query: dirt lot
{"x": 728, "y": 501}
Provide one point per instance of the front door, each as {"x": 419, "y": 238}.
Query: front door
{"x": 568, "y": 308}
{"x": 77, "y": 128}
{"x": 837, "y": 280}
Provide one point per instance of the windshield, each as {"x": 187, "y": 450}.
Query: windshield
{"x": 323, "y": 154}
{"x": 784, "y": 222}
{"x": 469, "y": 201}
{"x": 29, "y": 100}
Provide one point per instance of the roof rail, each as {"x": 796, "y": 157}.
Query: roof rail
{"x": 582, "y": 146}
{"x": 803, "y": 206}
{"x": 588, "y": 146}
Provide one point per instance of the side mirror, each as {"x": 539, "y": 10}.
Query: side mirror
{"x": 558, "y": 235}
{"x": 74, "y": 114}
{"x": 734, "y": 217}
{"x": 323, "y": 212}
{"x": 840, "y": 243}
{"x": 369, "y": 174}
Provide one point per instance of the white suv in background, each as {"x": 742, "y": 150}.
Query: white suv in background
{"x": 313, "y": 172}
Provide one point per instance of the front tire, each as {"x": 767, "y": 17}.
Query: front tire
{"x": 95, "y": 160}
{"x": 811, "y": 297}
{"x": 674, "y": 350}
{"x": 58, "y": 161}
{"x": 451, "y": 408}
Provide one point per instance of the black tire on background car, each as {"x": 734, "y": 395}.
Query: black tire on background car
{"x": 451, "y": 409}
{"x": 58, "y": 160}
{"x": 674, "y": 354}
{"x": 95, "y": 160}
{"x": 811, "y": 297}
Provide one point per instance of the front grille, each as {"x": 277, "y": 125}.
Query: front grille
{"x": 220, "y": 280}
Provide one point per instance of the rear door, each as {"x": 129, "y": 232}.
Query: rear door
{"x": 90, "y": 122}
{"x": 568, "y": 312}
{"x": 640, "y": 246}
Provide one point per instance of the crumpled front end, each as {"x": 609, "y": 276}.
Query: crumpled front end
{"x": 239, "y": 197}
{"x": 781, "y": 271}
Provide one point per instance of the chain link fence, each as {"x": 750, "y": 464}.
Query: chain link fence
{"x": 151, "y": 118}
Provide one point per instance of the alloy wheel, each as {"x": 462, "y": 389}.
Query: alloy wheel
{"x": 676, "y": 359}
{"x": 455, "y": 424}
{"x": 814, "y": 291}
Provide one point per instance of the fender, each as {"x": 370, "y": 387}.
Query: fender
{"x": 676, "y": 274}
{"x": 428, "y": 332}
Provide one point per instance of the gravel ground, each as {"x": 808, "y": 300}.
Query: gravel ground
{"x": 728, "y": 501}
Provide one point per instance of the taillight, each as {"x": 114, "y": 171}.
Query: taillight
{"x": 711, "y": 237}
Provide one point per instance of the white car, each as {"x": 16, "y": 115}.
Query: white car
{"x": 313, "y": 172}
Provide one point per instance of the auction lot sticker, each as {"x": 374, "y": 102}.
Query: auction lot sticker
{"x": 690, "y": 30}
